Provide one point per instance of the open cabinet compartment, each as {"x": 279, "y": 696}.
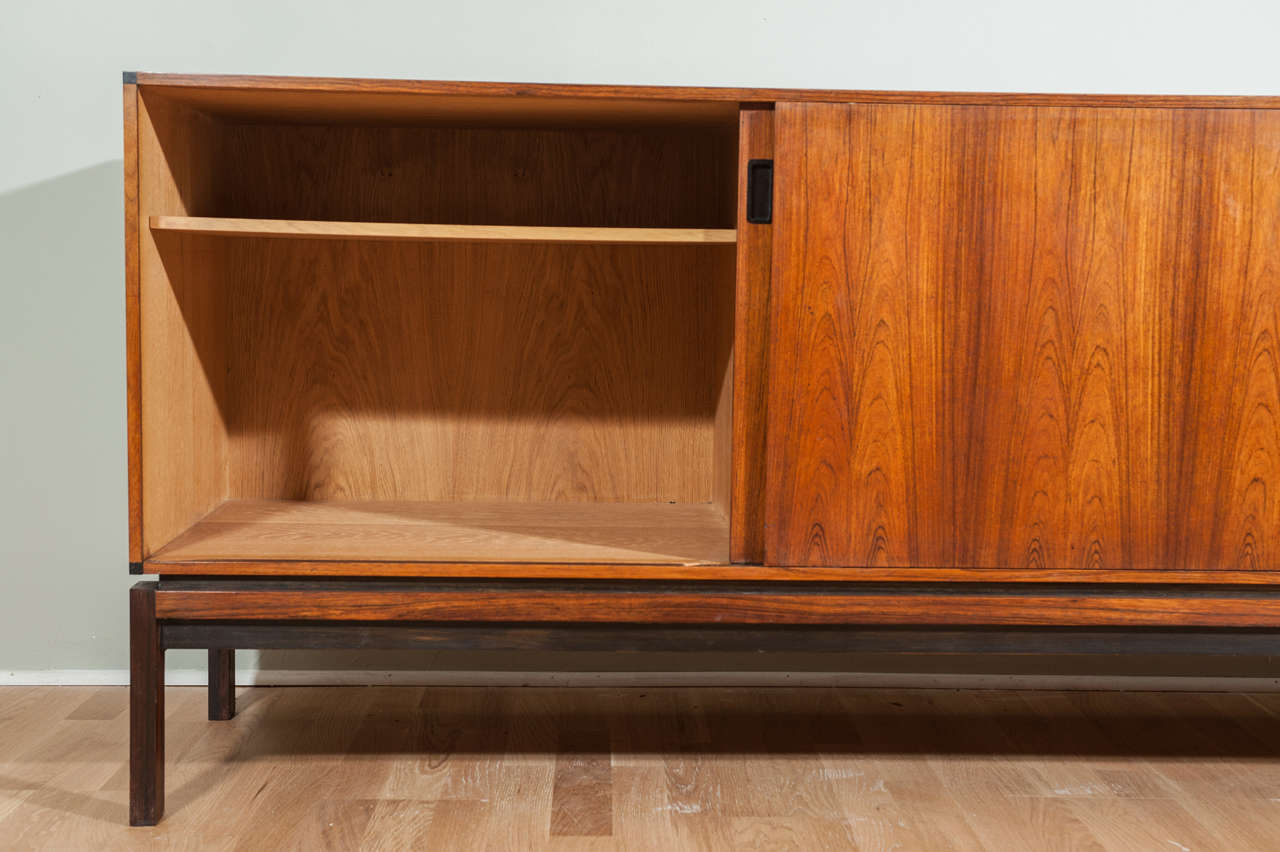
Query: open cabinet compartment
{"x": 451, "y": 400}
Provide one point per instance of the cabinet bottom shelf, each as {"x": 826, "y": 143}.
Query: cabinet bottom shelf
{"x": 414, "y": 531}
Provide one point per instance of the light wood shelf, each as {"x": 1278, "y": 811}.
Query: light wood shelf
{"x": 509, "y": 531}
{"x": 306, "y": 229}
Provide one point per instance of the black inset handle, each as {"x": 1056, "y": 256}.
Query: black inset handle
{"x": 760, "y": 191}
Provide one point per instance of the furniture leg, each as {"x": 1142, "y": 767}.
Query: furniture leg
{"x": 222, "y": 684}
{"x": 146, "y": 708}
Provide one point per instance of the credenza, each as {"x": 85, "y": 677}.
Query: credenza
{"x": 489, "y": 365}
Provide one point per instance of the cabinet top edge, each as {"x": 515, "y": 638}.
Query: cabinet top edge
{"x": 373, "y": 86}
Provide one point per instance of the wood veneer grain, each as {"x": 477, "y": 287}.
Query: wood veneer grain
{"x": 1127, "y": 609}
{"x": 1026, "y": 338}
{"x": 162, "y": 563}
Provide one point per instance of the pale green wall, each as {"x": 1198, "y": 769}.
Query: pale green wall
{"x": 62, "y": 474}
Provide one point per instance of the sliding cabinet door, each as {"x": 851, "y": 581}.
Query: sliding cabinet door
{"x": 1027, "y": 338}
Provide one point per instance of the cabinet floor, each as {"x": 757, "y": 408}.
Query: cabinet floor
{"x": 657, "y": 533}
{"x": 512, "y": 768}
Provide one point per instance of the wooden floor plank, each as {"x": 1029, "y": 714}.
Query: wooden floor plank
{"x": 594, "y": 769}
{"x": 930, "y": 816}
{"x": 103, "y": 704}
{"x": 643, "y": 817}
{"x": 1076, "y": 758}
{"x": 1007, "y": 822}
{"x": 582, "y": 798}
{"x": 1131, "y": 823}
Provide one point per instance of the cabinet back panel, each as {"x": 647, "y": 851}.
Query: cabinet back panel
{"x": 407, "y": 371}
{"x": 654, "y": 178}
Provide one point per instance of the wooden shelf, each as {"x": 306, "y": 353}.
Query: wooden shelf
{"x": 626, "y": 533}
{"x": 304, "y": 229}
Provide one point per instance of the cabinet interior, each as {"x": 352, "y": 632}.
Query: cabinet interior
{"x": 332, "y": 397}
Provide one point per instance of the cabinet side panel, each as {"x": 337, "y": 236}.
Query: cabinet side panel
{"x": 1026, "y": 338}
{"x": 182, "y": 329}
{"x": 132, "y": 335}
{"x": 755, "y": 246}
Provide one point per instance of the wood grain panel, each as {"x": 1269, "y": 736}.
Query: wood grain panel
{"x": 646, "y": 533}
{"x": 755, "y": 246}
{"x": 1019, "y": 338}
{"x": 632, "y": 606}
{"x": 165, "y": 563}
{"x": 401, "y": 371}
{"x": 182, "y": 320}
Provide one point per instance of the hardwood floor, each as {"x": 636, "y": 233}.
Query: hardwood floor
{"x": 402, "y": 767}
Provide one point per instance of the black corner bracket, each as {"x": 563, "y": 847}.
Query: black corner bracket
{"x": 130, "y": 77}
{"x": 135, "y": 567}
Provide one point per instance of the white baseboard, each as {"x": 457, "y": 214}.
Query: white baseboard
{"x": 865, "y": 680}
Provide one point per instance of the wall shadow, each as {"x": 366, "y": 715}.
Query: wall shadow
{"x": 62, "y": 422}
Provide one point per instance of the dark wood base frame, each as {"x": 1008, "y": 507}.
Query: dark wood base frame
{"x": 221, "y": 614}
{"x": 222, "y": 684}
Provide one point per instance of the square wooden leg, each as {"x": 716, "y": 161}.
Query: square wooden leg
{"x": 222, "y": 684}
{"x": 146, "y": 708}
